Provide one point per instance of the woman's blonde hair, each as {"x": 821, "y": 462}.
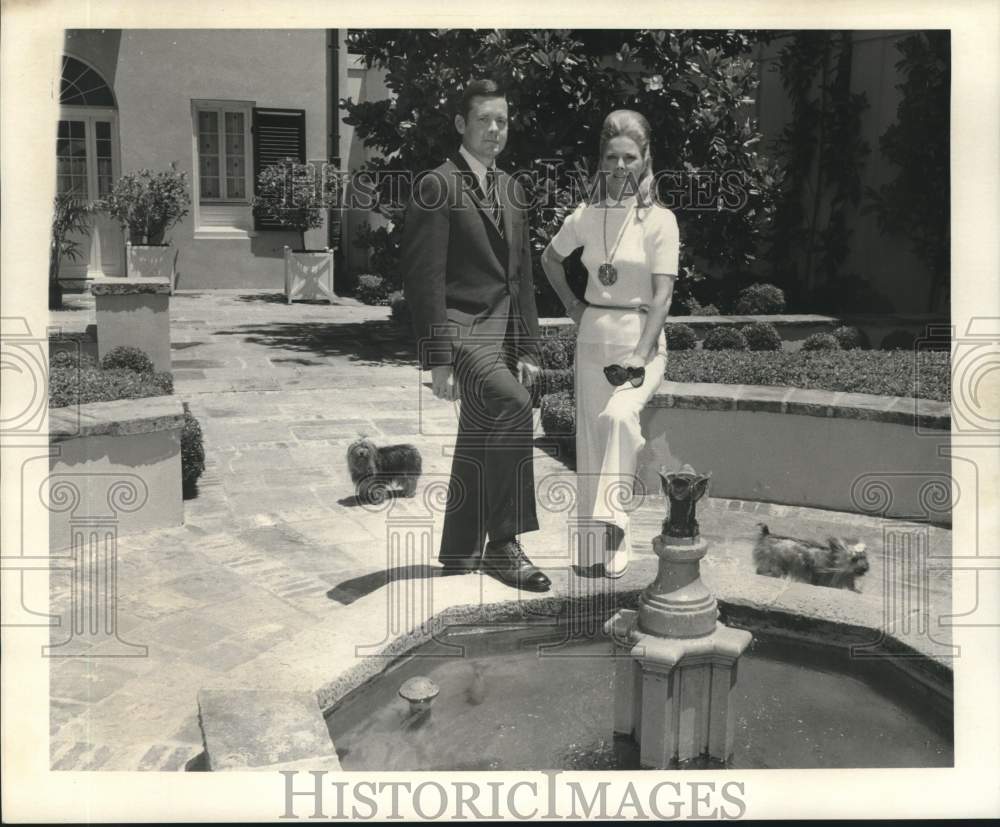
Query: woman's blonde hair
{"x": 629, "y": 124}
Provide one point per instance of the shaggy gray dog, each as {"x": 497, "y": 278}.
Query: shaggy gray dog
{"x": 373, "y": 470}
{"x": 835, "y": 564}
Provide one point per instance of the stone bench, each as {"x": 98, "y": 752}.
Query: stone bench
{"x": 114, "y": 465}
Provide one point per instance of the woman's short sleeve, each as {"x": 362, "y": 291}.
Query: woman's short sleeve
{"x": 663, "y": 243}
{"x": 569, "y": 236}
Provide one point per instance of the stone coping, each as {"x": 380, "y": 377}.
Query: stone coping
{"x": 129, "y": 286}
{"x": 787, "y": 319}
{"x": 927, "y": 414}
{"x": 341, "y": 653}
{"x": 122, "y": 417}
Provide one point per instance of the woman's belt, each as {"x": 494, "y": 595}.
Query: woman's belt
{"x": 642, "y": 308}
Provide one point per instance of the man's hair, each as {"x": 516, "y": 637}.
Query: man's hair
{"x": 479, "y": 88}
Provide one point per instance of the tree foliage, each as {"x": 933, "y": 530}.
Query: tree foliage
{"x": 696, "y": 89}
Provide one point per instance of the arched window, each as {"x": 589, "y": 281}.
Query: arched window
{"x": 82, "y": 86}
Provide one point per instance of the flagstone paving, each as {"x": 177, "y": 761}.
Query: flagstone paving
{"x": 275, "y": 542}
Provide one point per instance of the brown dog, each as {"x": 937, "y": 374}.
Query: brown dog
{"x": 837, "y": 564}
{"x": 373, "y": 470}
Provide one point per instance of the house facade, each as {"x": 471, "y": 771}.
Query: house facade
{"x": 217, "y": 104}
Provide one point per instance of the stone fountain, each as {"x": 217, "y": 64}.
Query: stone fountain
{"x": 677, "y": 664}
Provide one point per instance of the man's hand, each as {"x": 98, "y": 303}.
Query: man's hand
{"x": 528, "y": 371}
{"x": 443, "y": 383}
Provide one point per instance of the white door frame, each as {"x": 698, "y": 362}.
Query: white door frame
{"x": 107, "y": 242}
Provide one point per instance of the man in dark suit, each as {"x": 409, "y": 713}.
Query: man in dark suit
{"x": 466, "y": 260}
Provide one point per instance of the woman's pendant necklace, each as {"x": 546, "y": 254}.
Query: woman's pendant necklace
{"x": 607, "y": 273}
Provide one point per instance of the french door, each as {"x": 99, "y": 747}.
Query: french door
{"x": 88, "y": 161}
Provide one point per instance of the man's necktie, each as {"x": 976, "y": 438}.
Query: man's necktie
{"x": 492, "y": 198}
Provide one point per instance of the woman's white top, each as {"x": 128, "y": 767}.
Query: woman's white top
{"x": 650, "y": 243}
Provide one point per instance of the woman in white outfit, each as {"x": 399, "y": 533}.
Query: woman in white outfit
{"x": 630, "y": 249}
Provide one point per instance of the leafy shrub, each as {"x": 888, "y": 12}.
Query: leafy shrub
{"x": 400, "y": 309}
{"x": 762, "y": 336}
{"x": 899, "y": 340}
{"x": 372, "y": 289}
{"x": 293, "y": 195}
{"x": 192, "y": 453}
{"x": 550, "y": 380}
{"x": 71, "y": 385}
{"x": 70, "y": 359}
{"x": 692, "y": 307}
{"x": 724, "y": 338}
{"x": 148, "y": 203}
{"x": 558, "y": 352}
{"x": 821, "y": 341}
{"x": 760, "y": 300}
{"x": 129, "y": 358}
{"x": 680, "y": 337}
{"x": 926, "y": 374}
{"x": 558, "y": 418}
{"x": 850, "y": 338}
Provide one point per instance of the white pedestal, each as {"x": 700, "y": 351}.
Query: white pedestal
{"x": 134, "y": 312}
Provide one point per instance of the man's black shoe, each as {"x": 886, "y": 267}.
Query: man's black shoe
{"x": 509, "y": 564}
{"x": 460, "y": 565}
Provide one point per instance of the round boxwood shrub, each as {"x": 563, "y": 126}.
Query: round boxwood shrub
{"x": 724, "y": 338}
{"x": 399, "y": 309}
{"x": 761, "y": 336}
{"x": 680, "y": 337}
{"x": 372, "y": 289}
{"x": 128, "y": 358}
{"x": 850, "y": 338}
{"x": 692, "y": 307}
{"x": 760, "y": 300}
{"x": 558, "y": 417}
{"x": 558, "y": 352}
{"x": 71, "y": 359}
{"x": 899, "y": 340}
{"x": 192, "y": 453}
{"x": 821, "y": 341}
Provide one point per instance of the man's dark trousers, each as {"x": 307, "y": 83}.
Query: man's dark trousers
{"x": 492, "y": 488}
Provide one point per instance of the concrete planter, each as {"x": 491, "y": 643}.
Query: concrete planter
{"x": 148, "y": 262}
{"x": 135, "y": 313}
{"x": 115, "y": 469}
{"x": 309, "y": 275}
{"x": 878, "y": 455}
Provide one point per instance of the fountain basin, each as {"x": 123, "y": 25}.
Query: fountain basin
{"x": 531, "y": 697}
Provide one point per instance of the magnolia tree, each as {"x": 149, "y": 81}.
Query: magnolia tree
{"x": 695, "y": 88}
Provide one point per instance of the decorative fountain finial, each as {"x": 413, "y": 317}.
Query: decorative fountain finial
{"x": 683, "y": 489}
{"x": 683, "y": 664}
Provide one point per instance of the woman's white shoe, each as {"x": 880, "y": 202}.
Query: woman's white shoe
{"x": 617, "y": 558}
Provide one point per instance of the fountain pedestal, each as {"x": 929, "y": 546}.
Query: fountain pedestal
{"x": 676, "y": 664}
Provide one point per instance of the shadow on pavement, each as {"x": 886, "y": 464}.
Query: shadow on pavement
{"x": 373, "y": 342}
{"x": 350, "y": 590}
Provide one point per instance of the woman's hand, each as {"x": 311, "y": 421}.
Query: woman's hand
{"x": 634, "y": 361}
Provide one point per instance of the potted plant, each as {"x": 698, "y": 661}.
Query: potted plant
{"x": 147, "y": 204}
{"x": 293, "y": 195}
{"x": 69, "y": 217}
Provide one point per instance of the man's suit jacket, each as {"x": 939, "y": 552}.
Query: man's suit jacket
{"x": 461, "y": 278}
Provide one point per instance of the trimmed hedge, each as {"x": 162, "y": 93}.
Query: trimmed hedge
{"x": 925, "y": 375}
{"x": 558, "y": 352}
{"x": 680, "y": 337}
{"x": 128, "y": 358}
{"x": 558, "y": 419}
{"x": 192, "y": 453}
{"x": 760, "y": 300}
{"x": 551, "y": 380}
{"x": 76, "y": 380}
{"x": 372, "y": 289}
{"x": 70, "y": 385}
{"x": 761, "y": 336}
{"x": 821, "y": 341}
{"x": 724, "y": 338}
{"x": 851, "y": 338}
{"x": 899, "y": 340}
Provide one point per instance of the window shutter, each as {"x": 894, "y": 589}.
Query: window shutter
{"x": 277, "y": 134}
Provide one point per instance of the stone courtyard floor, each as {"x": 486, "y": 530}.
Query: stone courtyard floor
{"x": 275, "y": 544}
